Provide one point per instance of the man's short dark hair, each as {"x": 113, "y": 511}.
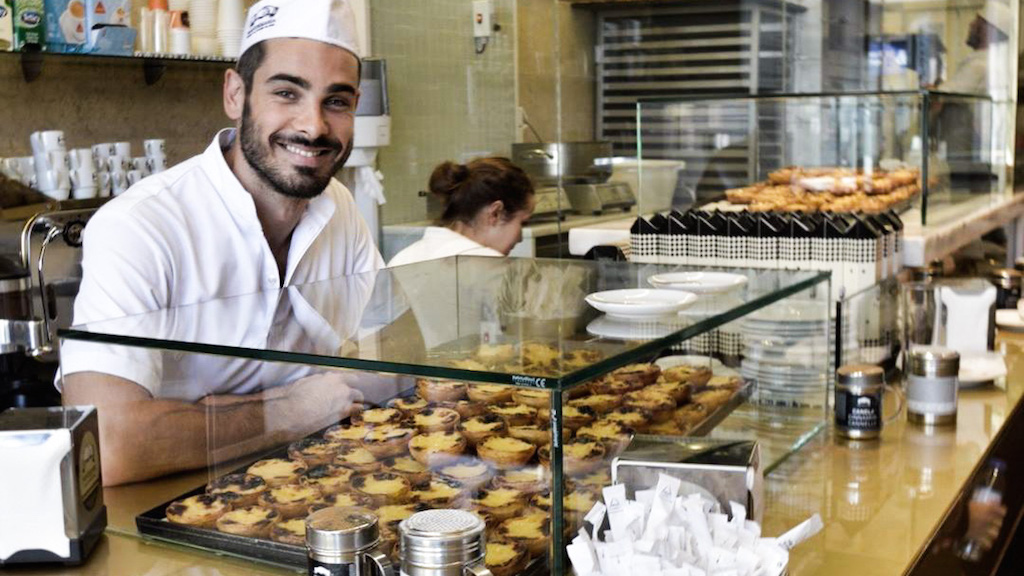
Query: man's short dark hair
{"x": 248, "y": 63}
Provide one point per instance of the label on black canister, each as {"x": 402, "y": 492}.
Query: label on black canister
{"x": 859, "y": 411}
{"x": 317, "y": 568}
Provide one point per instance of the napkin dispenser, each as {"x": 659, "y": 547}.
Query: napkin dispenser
{"x": 721, "y": 469}
{"x": 51, "y": 493}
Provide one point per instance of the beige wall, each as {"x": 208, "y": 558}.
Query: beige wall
{"x": 94, "y": 100}
{"x": 447, "y": 102}
{"x": 556, "y": 45}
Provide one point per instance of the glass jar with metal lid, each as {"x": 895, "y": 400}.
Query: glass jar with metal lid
{"x": 442, "y": 543}
{"x": 344, "y": 541}
{"x": 858, "y": 401}
{"x": 932, "y": 384}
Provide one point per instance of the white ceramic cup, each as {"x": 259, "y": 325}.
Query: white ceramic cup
{"x": 82, "y": 158}
{"x": 100, "y": 154}
{"x": 103, "y": 184}
{"x": 59, "y": 158}
{"x": 123, "y": 149}
{"x": 118, "y": 182}
{"x": 119, "y": 163}
{"x": 25, "y": 166}
{"x": 154, "y": 147}
{"x": 84, "y": 183}
{"x": 47, "y": 140}
{"x": 134, "y": 176}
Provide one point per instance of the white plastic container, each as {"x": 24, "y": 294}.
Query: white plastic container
{"x": 654, "y": 192}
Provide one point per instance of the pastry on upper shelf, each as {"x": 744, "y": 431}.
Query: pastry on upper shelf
{"x": 409, "y": 405}
{"x": 536, "y": 434}
{"x": 438, "y": 493}
{"x": 667, "y": 428}
{"x": 465, "y": 408}
{"x": 437, "y": 448}
{"x": 610, "y": 386}
{"x": 357, "y": 458}
{"x": 574, "y": 416}
{"x": 407, "y": 466}
{"x": 347, "y": 434}
{"x": 538, "y": 355}
{"x": 614, "y": 435}
{"x": 328, "y": 478}
{"x": 500, "y": 503}
{"x": 383, "y": 487}
{"x": 340, "y": 499}
{"x": 694, "y": 375}
{"x": 540, "y": 399}
{"x": 479, "y": 428}
{"x": 581, "y": 358}
{"x": 378, "y": 417}
{"x": 387, "y": 441}
{"x": 201, "y": 511}
{"x": 659, "y": 405}
{"x": 241, "y": 489}
{"x": 494, "y": 354}
{"x": 440, "y": 390}
{"x": 470, "y": 473}
{"x": 637, "y": 374}
{"x": 636, "y": 419}
{"x": 579, "y": 456}
{"x": 390, "y": 515}
{"x": 289, "y": 532}
{"x": 731, "y": 382}
{"x": 277, "y": 471}
{"x": 595, "y": 481}
{"x": 435, "y": 419}
{"x": 528, "y": 480}
{"x": 490, "y": 393}
{"x": 599, "y": 403}
{"x": 505, "y": 452}
{"x": 313, "y": 451}
{"x": 514, "y": 414}
{"x": 469, "y": 364}
{"x": 290, "y": 501}
{"x": 251, "y": 521}
{"x": 505, "y": 558}
{"x": 713, "y": 398}
{"x": 679, "y": 391}
{"x": 533, "y": 531}
{"x": 686, "y": 417}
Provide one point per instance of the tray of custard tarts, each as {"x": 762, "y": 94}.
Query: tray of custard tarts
{"x": 480, "y": 447}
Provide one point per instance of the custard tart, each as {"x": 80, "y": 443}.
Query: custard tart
{"x": 437, "y": 448}
{"x": 378, "y": 417}
{"x": 357, "y": 458}
{"x": 696, "y": 376}
{"x": 614, "y": 435}
{"x": 660, "y": 406}
{"x": 505, "y": 558}
{"x": 574, "y": 416}
{"x": 328, "y": 478}
{"x": 241, "y": 489}
{"x": 342, "y": 499}
{"x": 500, "y": 503}
{"x": 469, "y": 473}
{"x": 479, "y": 428}
{"x": 514, "y": 414}
{"x": 313, "y": 451}
{"x": 289, "y": 532}
{"x": 528, "y": 480}
{"x": 438, "y": 493}
{"x": 440, "y": 390}
{"x": 407, "y": 466}
{"x": 633, "y": 418}
{"x": 251, "y": 521}
{"x": 580, "y": 456}
{"x": 505, "y": 452}
{"x": 408, "y": 405}
{"x": 290, "y": 501}
{"x": 599, "y": 403}
{"x": 533, "y": 531}
{"x": 383, "y": 487}
{"x": 536, "y": 434}
{"x": 390, "y": 515}
{"x": 435, "y": 419}
{"x": 277, "y": 471}
{"x": 388, "y": 441}
{"x": 638, "y": 374}
{"x": 540, "y": 399}
{"x": 347, "y": 434}
{"x": 490, "y": 393}
{"x": 679, "y": 391}
{"x": 201, "y": 511}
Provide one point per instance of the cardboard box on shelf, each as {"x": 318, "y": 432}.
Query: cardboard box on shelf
{"x": 29, "y": 23}
{"x": 105, "y": 12}
{"x": 65, "y": 25}
{"x": 6, "y": 25}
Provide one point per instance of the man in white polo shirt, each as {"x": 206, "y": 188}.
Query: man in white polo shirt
{"x": 258, "y": 210}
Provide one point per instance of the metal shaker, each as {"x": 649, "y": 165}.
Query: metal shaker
{"x": 442, "y": 543}
{"x": 344, "y": 541}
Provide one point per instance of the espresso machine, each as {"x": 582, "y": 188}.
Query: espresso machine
{"x": 40, "y": 272}
{"x": 572, "y": 176}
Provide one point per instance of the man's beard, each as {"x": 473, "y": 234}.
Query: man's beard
{"x": 306, "y": 183}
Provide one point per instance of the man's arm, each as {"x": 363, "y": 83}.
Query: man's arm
{"x": 144, "y": 437}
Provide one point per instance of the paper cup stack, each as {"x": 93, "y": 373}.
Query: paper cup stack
{"x": 202, "y": 16}
{"x": 230, "y": 21}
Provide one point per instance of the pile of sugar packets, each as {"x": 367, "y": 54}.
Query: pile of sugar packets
{"x": 664, "y": 534}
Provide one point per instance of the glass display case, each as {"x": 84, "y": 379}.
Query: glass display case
{"x": 479, "y": 383}
{"x": 931, "y": 155}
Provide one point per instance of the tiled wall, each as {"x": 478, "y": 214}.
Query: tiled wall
{"x": 447, "y": 102}
{"x": 94, "y": 100}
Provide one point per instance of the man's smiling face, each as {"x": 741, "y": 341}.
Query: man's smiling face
{"x": 296, "y": 128}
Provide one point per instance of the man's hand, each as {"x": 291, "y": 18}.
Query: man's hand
{"x": 317, "y": 401}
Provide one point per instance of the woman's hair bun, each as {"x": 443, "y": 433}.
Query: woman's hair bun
{"x": 447, "y": 177}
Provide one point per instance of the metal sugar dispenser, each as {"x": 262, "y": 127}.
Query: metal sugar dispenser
{"x": 344, "y": 541}
{"x": 442, "y": 543}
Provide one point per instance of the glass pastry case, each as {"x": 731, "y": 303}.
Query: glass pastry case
{"x": 502, "y": 386}
{"x": 926, "y": 153}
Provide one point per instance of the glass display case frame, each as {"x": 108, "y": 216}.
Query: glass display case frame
{"x": 954, "y": 143}
{"x": 432, "y": 320}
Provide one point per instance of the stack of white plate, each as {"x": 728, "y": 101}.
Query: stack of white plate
{"x": 230, "y": 21}
{"x": 202, "y": 17}
{"x": 787, "y": 354}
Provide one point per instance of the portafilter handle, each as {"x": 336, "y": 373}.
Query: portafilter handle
{"x": 47, "y": 342}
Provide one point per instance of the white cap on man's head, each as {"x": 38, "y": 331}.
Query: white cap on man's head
{"x": 998, "y": 14}
{"x": 329, "y": 21}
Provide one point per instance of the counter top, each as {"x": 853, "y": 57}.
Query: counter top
{"x": 881, "y": 502}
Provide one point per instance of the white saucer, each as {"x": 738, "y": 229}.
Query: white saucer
{"x": 607, "y": 326}
{"x": 698, "y": 282}
{"x": 979, "y": 368}
{"x": 1010, "y": 320}
{"x": 666, "y": 362}
{"x": 640, "y": 303}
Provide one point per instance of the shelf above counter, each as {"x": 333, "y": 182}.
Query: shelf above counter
{"x": 153, "y": 65}
{"x": 961, "y": 224}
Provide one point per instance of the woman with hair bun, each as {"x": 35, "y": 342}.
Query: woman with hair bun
{"x": 486, "y": 203}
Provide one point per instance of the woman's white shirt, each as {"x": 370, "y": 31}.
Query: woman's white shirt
{"x": 439, "y": 242}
